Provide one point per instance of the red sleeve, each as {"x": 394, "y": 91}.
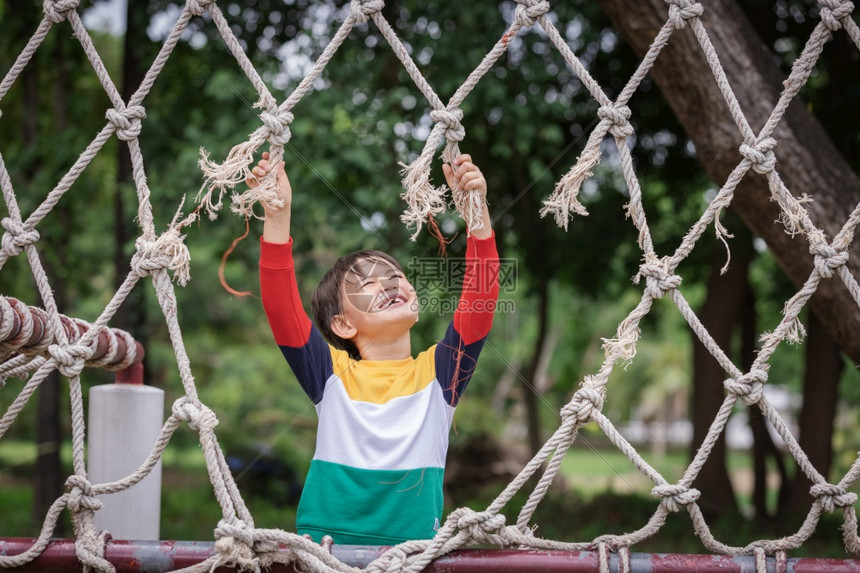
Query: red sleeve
{"x": 474, "y": 315}
{"x": 280, "y": 293}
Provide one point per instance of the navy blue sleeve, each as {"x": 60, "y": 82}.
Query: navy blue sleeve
{"x": 455, "y": 363}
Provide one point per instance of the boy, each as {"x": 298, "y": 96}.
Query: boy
{"x": 384, "y": 416}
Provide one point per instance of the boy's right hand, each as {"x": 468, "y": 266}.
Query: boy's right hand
{"x": 276, "y": 224}
{"x": 285, "y": 191}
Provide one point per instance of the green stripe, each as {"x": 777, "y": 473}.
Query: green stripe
{"x": 370, "y": 507}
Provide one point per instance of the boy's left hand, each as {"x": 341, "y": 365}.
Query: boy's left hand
{"x": 465, "y": 175}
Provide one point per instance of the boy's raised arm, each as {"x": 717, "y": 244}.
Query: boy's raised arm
{"x": 301, "y": 344}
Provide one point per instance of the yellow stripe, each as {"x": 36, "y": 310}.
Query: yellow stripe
{"x": 379, "y": 381}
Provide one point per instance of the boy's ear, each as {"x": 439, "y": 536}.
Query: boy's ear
{"x": 342, "y": 327}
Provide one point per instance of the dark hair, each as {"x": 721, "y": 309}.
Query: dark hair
{"x": 326, "y": 302}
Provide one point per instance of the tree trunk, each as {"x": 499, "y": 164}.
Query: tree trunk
{"x": 49, "y": 436}
{"x": 131, "y": 316}
{"x": 49, "y": 474}
{"x": 763, "y": 444}
{"x": 719, "y": 314}
{"x": 529, "y": 385}
{"x": 820, "y": 390}
{"x": 807, "y": 160}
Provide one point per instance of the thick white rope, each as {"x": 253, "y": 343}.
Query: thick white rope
{"x": 238, "y": 542}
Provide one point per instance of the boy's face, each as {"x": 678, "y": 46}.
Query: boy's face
{"x": 376, "y": 293}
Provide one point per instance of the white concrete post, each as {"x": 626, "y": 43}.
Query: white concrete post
{"x": 124, "y": 423}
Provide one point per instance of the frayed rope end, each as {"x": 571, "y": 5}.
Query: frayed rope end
{"x": 564, "y": 199}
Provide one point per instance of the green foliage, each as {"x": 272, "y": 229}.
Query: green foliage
{"x": 526, "y": 123}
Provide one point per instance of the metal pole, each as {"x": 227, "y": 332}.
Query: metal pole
{"x": 144, "y": 556}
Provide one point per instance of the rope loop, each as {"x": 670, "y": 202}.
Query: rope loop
{"x": 760, "y": 155}
{"x": 127, "y": 121}
{"x": 198, "y": 7}
{"x": 619, "y": 117}
{"x": 278, "y": 123}
{"x": 528, "y": 11}
{"x": 682, "y": 10}
{"x": 832, "y": 497}
{"x": 58, "y": 10}
{"x": 199, "y": 417}
{"x": 16, "y": 237}
{"x": 749, "y": 387}
{"x": 827, "y": 259}
{"x": 71, "y": 358}
{"x": 675, "y": 497}
{"x": 362, "y": 10}
{"x": 168, "y": 251}
{"x": 450, "y": 118}
{"x": 584, "y": 403}
{"x": 833, "y": 11}
{"x": 658, "y": 280}
{"x": 81, "y": 494}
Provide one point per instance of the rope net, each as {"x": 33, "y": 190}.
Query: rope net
{"x": 238, "y": 542}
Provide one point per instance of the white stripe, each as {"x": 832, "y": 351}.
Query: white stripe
{"x": 407, "y": 432}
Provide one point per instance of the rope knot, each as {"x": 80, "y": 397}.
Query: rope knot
{"x": 584, "y": 403}
{"x": 760, "y": 155}
{"x": 70, "y": 358}
{"x": 749, "y": 387}
{"x": 832, "y": 497}
{"x": 238, "y": 531}
{"x": 58, "y": 10}
{"x": 450, "y": 118}
{"x": 126, "y": 121}
{"x": 658, "y": 280}
{"x": 81, "y": 495}
{"x": 199, "y": 417}
{"x": 168, "y": 251}
{"x": 618, "y": 117}
{"x": 833, "y": 11}
{"x": 364, "y": 9}
{"x": 481, "y": 524}
{"x": 198, "y": 7}
{"x": 278, "y": 123}
{"x": 16, "y": 237}
{"x": 682, "y": 10}
{"x": 675, "y": 496}
{"x": 827, "y": 259}
{"x": 528, "y": 11}
{"x": 235, "y": 544}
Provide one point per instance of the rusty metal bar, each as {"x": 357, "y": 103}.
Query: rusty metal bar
{"x": 20, "y": 342}
{"x": 148, "y": 556}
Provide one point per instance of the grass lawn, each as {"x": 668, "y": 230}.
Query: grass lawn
{"x": 598, "y": 492}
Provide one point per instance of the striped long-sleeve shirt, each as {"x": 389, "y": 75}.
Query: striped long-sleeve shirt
{"x": 382, "y": 437}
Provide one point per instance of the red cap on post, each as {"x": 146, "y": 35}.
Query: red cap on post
{"x": 131, "y": 375}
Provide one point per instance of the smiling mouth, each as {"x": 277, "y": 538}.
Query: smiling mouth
{"x": 387, "y": 301}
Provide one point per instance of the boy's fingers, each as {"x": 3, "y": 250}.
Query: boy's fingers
{"x": 448, "y": 171}
{"x": 468, "y": 180}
